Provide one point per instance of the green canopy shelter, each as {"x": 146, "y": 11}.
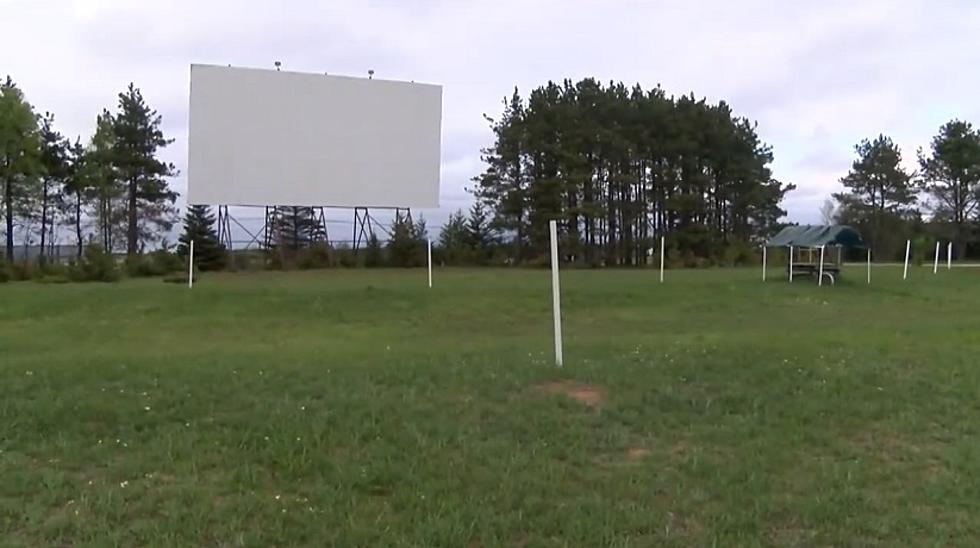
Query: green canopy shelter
{"x": 808, "y": 245}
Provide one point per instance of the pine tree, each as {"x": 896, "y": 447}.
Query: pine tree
{"x": 950, "y": 175}
{"x": 880, "y": 193}
{"x": 373, "y": 254}
{"x": 73, "y": 194}
{"x": 138, "y": 140}
{"x": 454, "y": 240}
{"x": 56, "y": 165}
{"x": 406, "y": 248}
{"x": 19, "y": 155}
{"x": 99, "y": 179}
{"x": 296, "y": 227}
{"x": 209, "y": 253}
{"x": 479, "y": 235}
{"x": 618, "y": 166}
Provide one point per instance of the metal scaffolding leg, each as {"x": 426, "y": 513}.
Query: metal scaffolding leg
{"x": 224, "y": 227}
{"x": 363, "y": 228}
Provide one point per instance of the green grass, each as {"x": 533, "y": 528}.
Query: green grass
{"x": 359, "y": 408}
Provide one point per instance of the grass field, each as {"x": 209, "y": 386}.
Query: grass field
{"x": 359, "y": 408}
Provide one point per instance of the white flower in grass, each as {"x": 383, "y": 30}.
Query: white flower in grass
{"x": 29, "y": 373}
{"x": 277, "y": 497}
{"x": 146, "y": 408}
{"x": 124, "y": 484}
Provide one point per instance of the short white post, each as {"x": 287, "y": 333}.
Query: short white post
{"x": 430, "y": 263}
{"x": 662, "y": 251}
{"x": 869, "y": 266}
{"x": 820, "y": 281}
{"x": 555, "y": 290}
{"x": 908, "y": 249}
{"x": 949, "y": 256}
{"x": 763, "y": 262}
{"x": 790, "y": 264}
{"x": 935, "y": 263}
{"x": 190, "y": 267}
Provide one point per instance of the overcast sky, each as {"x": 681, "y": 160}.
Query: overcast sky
{"x": 817, "y": 76}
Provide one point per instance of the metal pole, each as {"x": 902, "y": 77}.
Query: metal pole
{"x": 869, "y": 265}
{"x": 190, "y": 267}
{"x": 908, "y": 249}
{"x": 662, "y": 240}
{"x": 820, "y": 281}
{"x": 935, "y": 262}
{"x": 790, "y": 264}
{"x": 763, "y": 262}
{"x": 949, "y": 256}
{"x": 430, "y": 263}
{"x": 555, "y": 291}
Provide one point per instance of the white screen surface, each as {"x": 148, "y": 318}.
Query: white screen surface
{"x": 264, "y": 137}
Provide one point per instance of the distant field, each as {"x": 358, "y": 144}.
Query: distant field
{"x": 359, "y": 408}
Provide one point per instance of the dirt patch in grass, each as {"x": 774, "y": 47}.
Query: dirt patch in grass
{"x": 635, "y": 454}
{"x": 590, "y": 396}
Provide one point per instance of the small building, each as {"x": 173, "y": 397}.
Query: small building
{"x": 808, "y": 249}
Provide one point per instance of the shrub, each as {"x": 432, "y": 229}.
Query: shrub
{"x": 346, "y": 257}
{"x": 315, "y": 256}
{"x": 53, "y": 279}
{"x": 373, "y": 254}
{"x": 4, "y": 272}
{"x": 20, "y": 271}
{"x": 179, "y": 278}
{"x": 247, "y": 260}
{"x": 157, "y": 263}
{"x": 95, "y": 265}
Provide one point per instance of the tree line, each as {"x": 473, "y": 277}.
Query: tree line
{"x": 111, "y": 189}
{"x": 887, "y": 202}
{"x": 619, "y": 167}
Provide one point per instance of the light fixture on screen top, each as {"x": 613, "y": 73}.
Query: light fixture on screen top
{"x": 278, "y": 65}
{"x": 370, "y": 74}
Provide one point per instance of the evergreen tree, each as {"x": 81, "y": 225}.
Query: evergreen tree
{"x": 138, "y": 140}
{"x": 296, "y": 227}
{"x": 879, "y": 193}
{"x": 54, "y": 153}
{"x": 373, "y": 254}
{"x": 105, "y": 191}
{"x": 454, "y": 240}
{"x": 209, "y": 253}
{"x": 479, "y": 234}
{"x": 407, "y": 246}
{"x": 618, "y": 166}
{"x": 19, "y": 155}
{"x": 73, "y": 193}
{"x": 950, "y": 175}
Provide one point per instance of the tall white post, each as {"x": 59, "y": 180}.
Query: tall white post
{"x": 430, "y": 263}
{"x": 908, "y": 249}
{"x": 869, "y": 265}
{"x": 763, "y": 262}
{"x": 790, "y": 264}
{"x": 555, "y": 290}
{"x": 949, "y": 256}
{"x": 662, "y": 252}
{"x": 190, "y": 267}
{"x": 935, "y": 262}
{"x": 820, "y": 281}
